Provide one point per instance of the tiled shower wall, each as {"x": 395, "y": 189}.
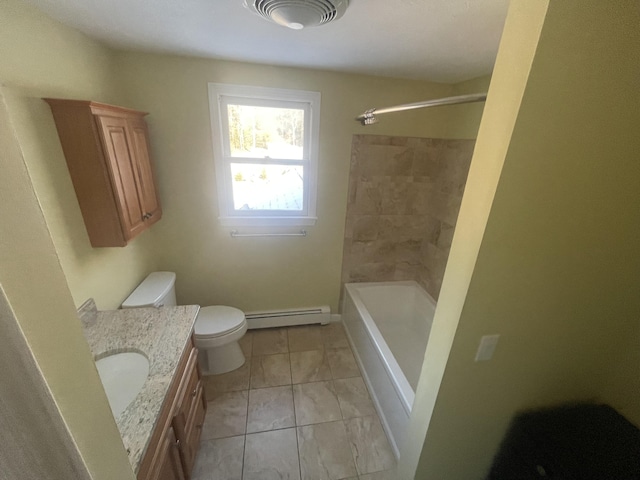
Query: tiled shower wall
{"x": 404, "y": 198}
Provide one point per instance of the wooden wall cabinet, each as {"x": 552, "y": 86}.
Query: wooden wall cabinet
{"x": 174, "y": 443}
{"x": 107, "y": 153}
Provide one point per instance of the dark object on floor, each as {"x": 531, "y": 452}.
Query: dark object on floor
{"x": 574, "y": 442}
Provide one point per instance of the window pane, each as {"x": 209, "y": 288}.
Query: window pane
{"x": 259, "y": 132}
{"x": 267, "y": 187}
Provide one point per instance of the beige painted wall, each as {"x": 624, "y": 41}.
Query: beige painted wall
{"x": 464, "y": 120}
{"x": 40, "y": 300}
{"x": 257, "y": 273}
{"x": 558, "y": 270}
{"x": 518, "y": 45}
{"x": 41, "y": 58}
{"x": 580, "y": 167}
{"x": 42, "y": 231}
{"x": 33, "y": 431}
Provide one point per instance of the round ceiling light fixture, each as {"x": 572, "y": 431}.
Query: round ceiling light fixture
{"x": 299, "y": 14}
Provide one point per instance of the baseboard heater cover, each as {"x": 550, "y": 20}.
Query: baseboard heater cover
{"x": 289, "y": 317}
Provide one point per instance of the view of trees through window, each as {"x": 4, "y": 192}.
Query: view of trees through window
{"x": 266, "y": 132}
{"x": 270, "y": 134}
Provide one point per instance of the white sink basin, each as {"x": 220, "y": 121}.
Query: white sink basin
{"x": 122, "y": 375}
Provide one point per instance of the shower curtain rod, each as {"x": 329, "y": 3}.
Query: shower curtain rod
{"x": 369, "y": 117}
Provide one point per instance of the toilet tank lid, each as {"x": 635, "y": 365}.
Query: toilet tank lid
{"x": 152, "y": 289}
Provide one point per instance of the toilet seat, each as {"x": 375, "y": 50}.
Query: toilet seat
{"x": 218, "y": 320}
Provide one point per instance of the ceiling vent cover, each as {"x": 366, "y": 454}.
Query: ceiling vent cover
{"x": 298, "y": 14}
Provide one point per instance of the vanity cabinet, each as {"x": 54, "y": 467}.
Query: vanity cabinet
{"x": 174, "y": 443}
{"x": 189, "y": 416}
{"x": 107, "y": 153}
{"x": 168, "y": 465}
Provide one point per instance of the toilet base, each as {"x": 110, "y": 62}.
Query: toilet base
{"x": 222, "y": 359}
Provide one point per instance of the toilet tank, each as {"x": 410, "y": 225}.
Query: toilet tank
{"x": 157, "y": 290}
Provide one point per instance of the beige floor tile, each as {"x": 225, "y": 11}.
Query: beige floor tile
{"x": 270, "y": 409}
{"x": 226, "y": 415}
{"x": 324, "y": 452}
{"x": 333, "y": 335}
{"x": 270, "y": 370}
{"x": 271, "y": 456}
{"x": 353, "y": 397}
{"x": 369, "y": 445}
{"x": 342, "y": 363}
{"x": 307, "y": 337}
{"x": 269, "y": 341}
{"x": 310, "y": 366}
{"x": 384, "y": 475}
{"x": 219, "y": 459}
{"x": 246, "y": 344}
{"x": 228, "y": 382}
{"x": 316, "y": 403}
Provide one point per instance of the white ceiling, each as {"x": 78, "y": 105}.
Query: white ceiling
{"x": 438, "y": 40}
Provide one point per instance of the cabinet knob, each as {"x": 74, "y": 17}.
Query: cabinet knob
{"x": 177, "y": 444}
{"x": 195, "y": 390}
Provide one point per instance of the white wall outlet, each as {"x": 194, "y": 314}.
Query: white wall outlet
{"x": 487, "y": 347}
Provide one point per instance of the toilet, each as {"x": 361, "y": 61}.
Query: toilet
{"x": 217, "y": 329}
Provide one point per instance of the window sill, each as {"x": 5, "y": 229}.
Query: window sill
{"x": 267, "y": 221}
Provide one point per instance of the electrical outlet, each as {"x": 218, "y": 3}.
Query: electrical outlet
{"x": 487, "y": 347}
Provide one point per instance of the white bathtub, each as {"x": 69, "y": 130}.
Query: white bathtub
{"x": 388, "y": 325}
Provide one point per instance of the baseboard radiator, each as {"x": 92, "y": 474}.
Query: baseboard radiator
{"x": 289, "y": 317}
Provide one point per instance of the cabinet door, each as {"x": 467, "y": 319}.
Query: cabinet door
{"x": 140, "y": 146}
{"x": 124, "y": 177}
{"x": 183, "y": 421}
{"x": 196, "y": 424}
{"x": 191, "y": 425}
{"x": 168, "y": 465}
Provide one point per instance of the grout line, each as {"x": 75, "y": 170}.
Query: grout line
{"x": 246, "y": 423}
{"x": 244, "y": 451}
{"x": 339, "y": 402}
{"x": 298, "y": 449}
{"x": 295, "y": 423}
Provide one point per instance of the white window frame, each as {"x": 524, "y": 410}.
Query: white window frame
{"x": 220, "y": 95}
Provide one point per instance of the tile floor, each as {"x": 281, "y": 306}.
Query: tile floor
{"x": 297, "y": 410}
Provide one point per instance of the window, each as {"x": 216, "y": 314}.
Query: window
{"x": 266, "y": 154}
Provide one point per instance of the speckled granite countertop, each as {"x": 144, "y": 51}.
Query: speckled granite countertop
{"x": 158, "y": 333}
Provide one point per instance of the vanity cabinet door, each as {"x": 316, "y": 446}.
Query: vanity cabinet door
{"x": 189, "y": 417}
{"x": 168, "y": 465}
{"x": 174, "y": 443}
{"x": 199, "y": 412}
{"x": 193, "y": 426}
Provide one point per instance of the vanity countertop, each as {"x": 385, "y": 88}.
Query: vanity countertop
{"x": 158, "y": 333}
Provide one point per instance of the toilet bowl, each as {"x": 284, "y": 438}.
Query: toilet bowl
{"x": 217, "y": 329}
